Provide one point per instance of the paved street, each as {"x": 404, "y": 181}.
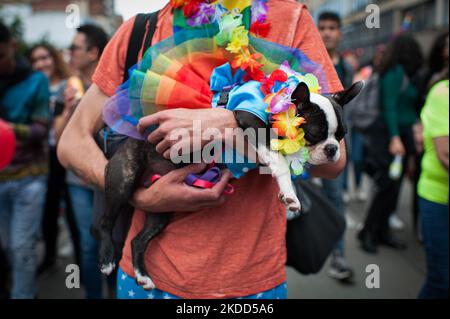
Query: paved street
{"x": 401, "y": 273}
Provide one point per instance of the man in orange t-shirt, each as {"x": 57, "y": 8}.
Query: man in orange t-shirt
{"x": 214, "y": 247}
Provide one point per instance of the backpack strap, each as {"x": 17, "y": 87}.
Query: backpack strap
{"x": 153, "y": 20}
{"x": 137, "y": 40}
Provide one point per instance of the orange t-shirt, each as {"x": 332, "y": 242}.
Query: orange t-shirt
{"x": 237, "y": 249}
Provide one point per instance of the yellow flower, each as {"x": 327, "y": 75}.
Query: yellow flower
{"x": 239, "y": 39}
{"x": 289, "y": 146}
{"x": 287, "y": 123}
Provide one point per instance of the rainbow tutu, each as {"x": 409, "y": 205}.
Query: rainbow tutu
{"x": 189, "y": 70}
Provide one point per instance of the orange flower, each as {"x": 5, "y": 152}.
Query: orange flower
{"x": 178, "y": 3}
{"x": 245, "y": 60}
{"x": 287, "y": 123}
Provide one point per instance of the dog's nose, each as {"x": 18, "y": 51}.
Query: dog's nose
{"x": 331, "y": 150}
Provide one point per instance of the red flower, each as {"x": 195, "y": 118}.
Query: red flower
{"x": 267, "y": 84}
{"x": 191, "y": 8}
{"x": 255, "y": 74}
{"x": 260, "y": 29}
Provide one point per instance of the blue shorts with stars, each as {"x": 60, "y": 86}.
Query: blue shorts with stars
{"x": 127, "y": 288}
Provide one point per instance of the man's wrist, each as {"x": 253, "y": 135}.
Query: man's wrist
{"x": 230, "y": 123}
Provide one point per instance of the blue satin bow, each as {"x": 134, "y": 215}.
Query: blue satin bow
{"x": 244, "y": 96}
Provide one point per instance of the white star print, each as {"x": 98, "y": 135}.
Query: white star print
{"x": 151, "y": 296}
{"x": 123, "y": 277}
{"x": 259, "y": 296}
{"x": 166, "y": 296}
{"x": 131, "y": 293}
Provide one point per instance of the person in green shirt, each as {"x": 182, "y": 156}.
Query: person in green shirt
{"x": 394, "y": 137}
{"x": 433, "y": 191}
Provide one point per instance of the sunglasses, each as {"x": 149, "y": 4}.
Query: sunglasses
{"x": 75, "y": 47}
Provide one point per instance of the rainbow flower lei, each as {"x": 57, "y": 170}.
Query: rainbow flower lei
{"x": 277, "y": 88}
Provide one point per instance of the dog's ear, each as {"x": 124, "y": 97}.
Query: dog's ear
{"x": 346, "y": 96}
{"x": 301, "y": 94}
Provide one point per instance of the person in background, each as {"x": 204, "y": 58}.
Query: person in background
{"x": 398, "y": 96}
{"x": 86, "y": 50}
{"x": 329, "y": 26}
{"x": 437, "y": 66}
{"x": 438, "y": 60}
{"x": 24, "y": 103}
{"x": 48, "y": 60}
{"x": 356, "y": 138}
{"x": 433, "y": 190}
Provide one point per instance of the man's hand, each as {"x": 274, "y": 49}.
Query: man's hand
{"x": 172, "y": 194}
{"x": 396, "y": 146}
{"x": 182, "y": 121}
{"x": 70, "y": 100}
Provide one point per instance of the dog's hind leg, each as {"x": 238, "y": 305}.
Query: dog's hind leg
{"x": 121, "y": 179}
{"x": 154, "y": 224}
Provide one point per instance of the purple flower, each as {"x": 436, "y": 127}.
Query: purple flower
{"x": 259, "y": 11}
{"x": 280, "y": 103}
{"x": 205, "y": 12}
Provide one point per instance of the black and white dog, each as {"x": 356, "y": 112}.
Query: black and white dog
{"x": 136, "y": 161}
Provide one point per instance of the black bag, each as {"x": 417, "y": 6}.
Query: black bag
{"x": 311, "y": 237}
{"x": 108, "y": 140}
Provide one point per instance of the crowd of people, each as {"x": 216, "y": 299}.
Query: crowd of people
{"x": 40, "y": 91}
{"x": 404, "y": 84}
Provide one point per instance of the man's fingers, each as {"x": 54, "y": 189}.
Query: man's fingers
{"x": 156, "y": 136}
{"x": 166, "y": 154}
{"x": 220, "y": 187}
{"x": 163, "y": 146}
{"x": 147, "y": 121}
{"x": 181, "y": 174}
{"x": 180, "y": 148}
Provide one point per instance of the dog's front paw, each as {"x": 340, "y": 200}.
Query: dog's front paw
{"x": 291, "y": 201}
{"x": 144, "y": 281}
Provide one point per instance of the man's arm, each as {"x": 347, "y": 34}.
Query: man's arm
{"x": 77, "y": 149}
{"x": 79, "y": 152}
